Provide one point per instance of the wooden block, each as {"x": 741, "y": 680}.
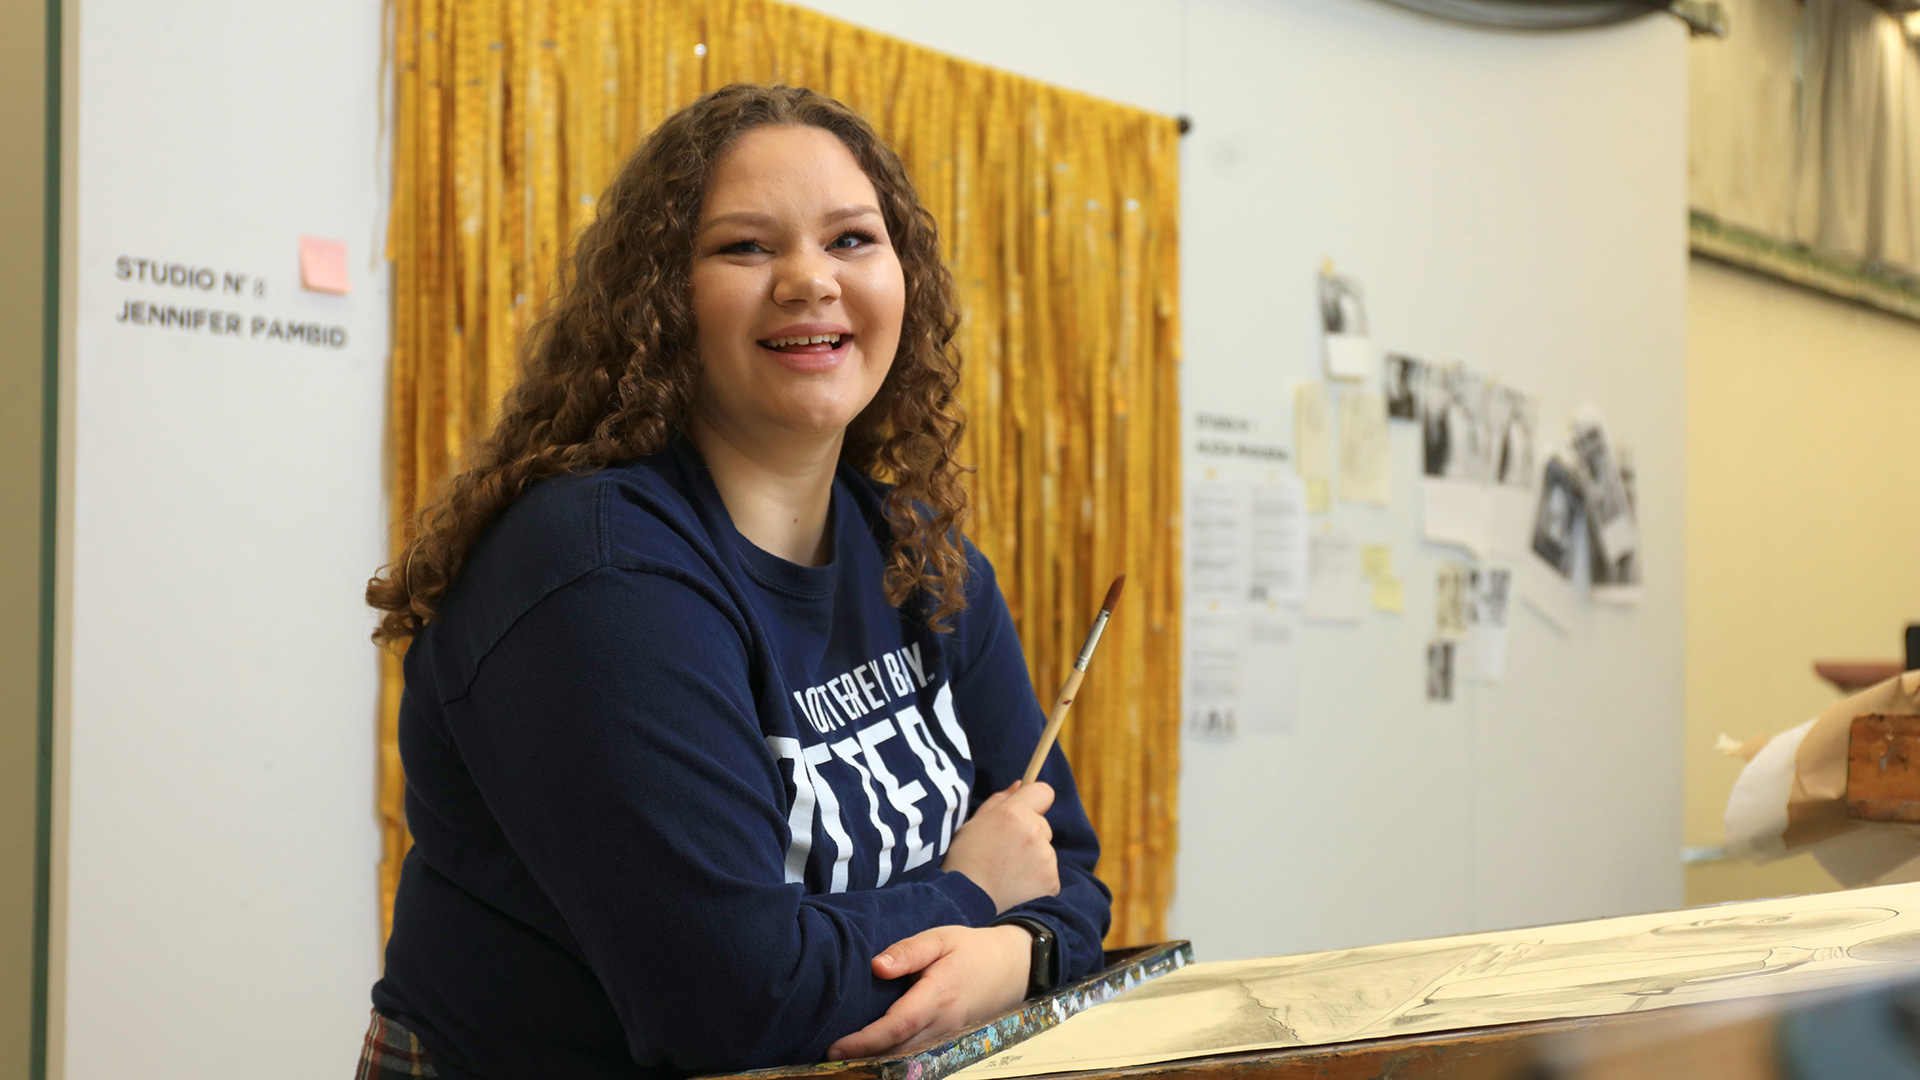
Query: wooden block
{"x": 1883, "y": 768}
{"x": 1853, "y": 676}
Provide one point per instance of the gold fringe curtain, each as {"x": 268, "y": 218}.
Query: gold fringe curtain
{"x": 1059, "y": 216}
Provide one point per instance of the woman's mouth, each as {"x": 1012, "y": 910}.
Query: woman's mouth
{"x": 808, "y": 354}
{"x": 805, "y": 344}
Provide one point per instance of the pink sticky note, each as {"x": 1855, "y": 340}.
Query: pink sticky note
{"x": 323, "y": 265}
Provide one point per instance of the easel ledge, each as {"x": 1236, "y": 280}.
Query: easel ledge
{"x": 1739, "y": 1039}
{"x": 1124, "y": 970}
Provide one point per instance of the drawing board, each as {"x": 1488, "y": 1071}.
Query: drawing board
{"x": 1595, "y": 968}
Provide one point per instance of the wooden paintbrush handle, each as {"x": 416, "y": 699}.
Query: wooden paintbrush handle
{"x": 1058, "y": 717}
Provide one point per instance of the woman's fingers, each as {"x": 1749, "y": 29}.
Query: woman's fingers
{"x": 916, "y": 1011}
{"x": 908, "y": 955}
{"x": 1006, "y": 846}
{"x": 965, "y": 976}
{"x": 880, "y": 1036}
{"x": 997, "y": 798}
{"x": 990, "y": 802}
{"x": 1038, "y": 796}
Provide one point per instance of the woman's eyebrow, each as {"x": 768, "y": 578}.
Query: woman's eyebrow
{"x": 851, "y": 211}
{"x": 738, "y": 217}
{"x": 767, "y": 221}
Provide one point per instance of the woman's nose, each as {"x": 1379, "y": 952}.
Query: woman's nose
{"x": 805, "y": 277}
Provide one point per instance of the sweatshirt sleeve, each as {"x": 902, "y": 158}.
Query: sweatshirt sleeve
{"x": 622, "y": 758}
{"x": 993, "y": 694}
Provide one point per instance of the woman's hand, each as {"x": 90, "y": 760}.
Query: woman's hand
{"x": 966, "y": 976}
{"x": 1006, "y": 848}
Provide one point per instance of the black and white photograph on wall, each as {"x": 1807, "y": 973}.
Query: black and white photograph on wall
{"x": 1623, "y": 456}
{"x": 1513, "y": 436}
{"x": 1561, "y": 515}
{"x": 1453, "y": 424}
{"x": 1623, "y": 571}
{"x": 1343, "y": 310}
{"x": 1439, "y": 671}
{"x": 1452, "y": 594}
{"x": 1617, "y": 580}
{"x": 1492, "y": 590}
{"x": 1401, "y": 384}
{"x": 1609, "y": 510}
{"x": 1343, "y": 321}
{"x": 1484, "y": 650}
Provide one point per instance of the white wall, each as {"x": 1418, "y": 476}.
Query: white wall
{"x": 1516, "y": 201}
{"x": 226, "y": 511}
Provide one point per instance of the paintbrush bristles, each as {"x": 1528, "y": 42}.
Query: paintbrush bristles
{"x": 1113, "y": 593}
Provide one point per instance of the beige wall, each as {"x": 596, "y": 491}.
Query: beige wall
{"x": 22, "y": 208}
{"x": 1803, "y": 525}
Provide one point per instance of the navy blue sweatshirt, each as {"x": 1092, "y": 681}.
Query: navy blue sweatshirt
{"x": 670, "y": 794}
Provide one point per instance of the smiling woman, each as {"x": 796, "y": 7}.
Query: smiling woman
{"x": 797, "y": 298}
{"x": 1058, "y": 214}
{"x": 655, "y": 824}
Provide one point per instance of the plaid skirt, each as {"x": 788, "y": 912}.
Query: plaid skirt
{"x": 392, "y": 1052}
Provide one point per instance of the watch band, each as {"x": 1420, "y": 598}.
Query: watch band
{"x": 1041, "y": 976}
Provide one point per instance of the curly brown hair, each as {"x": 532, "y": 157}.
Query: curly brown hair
{"x": 609, "y": 372}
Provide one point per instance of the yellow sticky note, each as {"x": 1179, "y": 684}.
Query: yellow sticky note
{"x": 1376, "y": 560}
{"x": 323, "y": 265}
{"x": 1319, "y": 497}
{"x": 1389, "y": 594}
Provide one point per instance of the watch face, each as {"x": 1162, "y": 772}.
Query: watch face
{"x": 1041, "y": 976}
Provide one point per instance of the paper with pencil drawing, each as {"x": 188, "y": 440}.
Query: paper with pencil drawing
{"x": 1364, "y": 473}
{"x": 1312, "y": 446}
{"x": 1596, "y": 968}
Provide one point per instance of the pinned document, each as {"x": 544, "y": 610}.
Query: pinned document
{"x": 1489, "y": 600}
{"x": 1312, "y": 451}
{"x": 1335, "y": 590}
{"x": 1364, "y": 473}
{"x": 1271, "y": 691}
{"x": 1216, "y": 656}
{"x": 1279, "y": 553}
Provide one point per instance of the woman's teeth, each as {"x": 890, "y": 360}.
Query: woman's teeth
{"x": 803, "y": 339}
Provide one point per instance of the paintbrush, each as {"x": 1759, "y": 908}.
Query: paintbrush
{"x": 1072, "y": 687}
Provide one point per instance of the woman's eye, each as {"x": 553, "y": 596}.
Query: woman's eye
{"x": 849, "y": 240}
{"x": 742, "y": 247}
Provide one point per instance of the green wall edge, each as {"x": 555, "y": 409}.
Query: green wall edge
{"x": 49, "y": 511}
{"x": 1876, "y": 286}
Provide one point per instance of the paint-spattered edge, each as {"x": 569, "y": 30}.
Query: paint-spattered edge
{"x": 1127, "y": 970}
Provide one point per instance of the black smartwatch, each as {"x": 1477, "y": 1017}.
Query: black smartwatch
{"x": 1041, "y": 976}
